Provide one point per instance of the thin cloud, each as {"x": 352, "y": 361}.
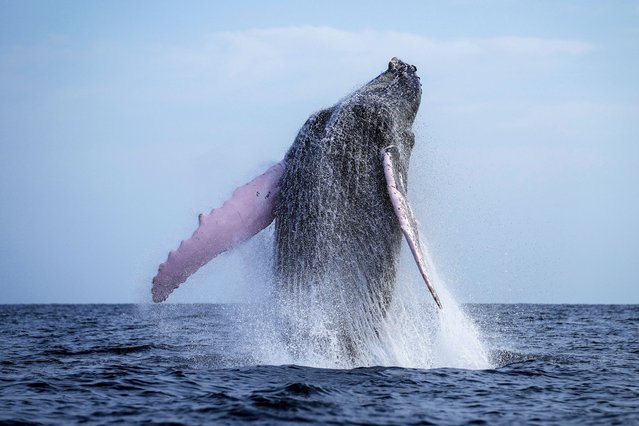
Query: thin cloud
{"x": 307, "y": 61}
{"x": 283, "y": 41}
{"x": 304, "y": 56}
{"x": 311, "y": 61}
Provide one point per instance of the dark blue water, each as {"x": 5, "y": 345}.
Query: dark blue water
{"x": 64, "y": 364}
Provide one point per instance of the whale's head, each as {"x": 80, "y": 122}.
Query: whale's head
{"x": 398, "y": 87}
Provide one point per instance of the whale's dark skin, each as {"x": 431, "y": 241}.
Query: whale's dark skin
{"x": 334, "y": 222}
{"x": 339, "y": 201}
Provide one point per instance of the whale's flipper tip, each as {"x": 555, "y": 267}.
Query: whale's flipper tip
{"x": 241, "y": 217}
{"x": 407, "y": 222}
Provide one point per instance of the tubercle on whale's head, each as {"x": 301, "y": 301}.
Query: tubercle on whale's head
{"x": 398, "y": 86}
{"x": 397, "y": 65}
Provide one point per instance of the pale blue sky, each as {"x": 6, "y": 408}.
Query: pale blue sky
{"x": 120, "y": 121}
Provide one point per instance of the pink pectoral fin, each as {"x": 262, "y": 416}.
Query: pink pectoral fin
{"x": 247, "y": 212}
{"x": 407, "y": 222}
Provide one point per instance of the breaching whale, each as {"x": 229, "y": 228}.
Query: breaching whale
{"x": 339, "y": 202}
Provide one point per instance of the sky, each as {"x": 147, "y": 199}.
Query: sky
{"x": 121, "y": 121}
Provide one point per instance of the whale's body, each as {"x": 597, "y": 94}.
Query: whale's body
{"x": 335, "y": 228}
{"x": 339, "y": 204}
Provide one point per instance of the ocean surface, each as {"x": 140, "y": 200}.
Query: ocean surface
{"x": 196, "y": 364}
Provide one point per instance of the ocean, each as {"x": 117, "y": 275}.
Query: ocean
{"x": 198, "y": 364}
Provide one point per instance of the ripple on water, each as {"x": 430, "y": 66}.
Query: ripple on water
{"x": 582, "y": 369}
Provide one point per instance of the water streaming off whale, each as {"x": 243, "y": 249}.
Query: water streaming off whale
{"x": 307, "y": 327}
{"x": 412, "y": 334}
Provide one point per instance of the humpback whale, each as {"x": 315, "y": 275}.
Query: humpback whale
{"x": 340, "y": 206}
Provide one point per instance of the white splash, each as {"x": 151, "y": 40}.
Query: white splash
{"x": 413, "y": 334}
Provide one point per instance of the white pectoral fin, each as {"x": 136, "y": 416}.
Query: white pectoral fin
{"x": 397, "y": 192}
{"x": 247, "y": 212}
